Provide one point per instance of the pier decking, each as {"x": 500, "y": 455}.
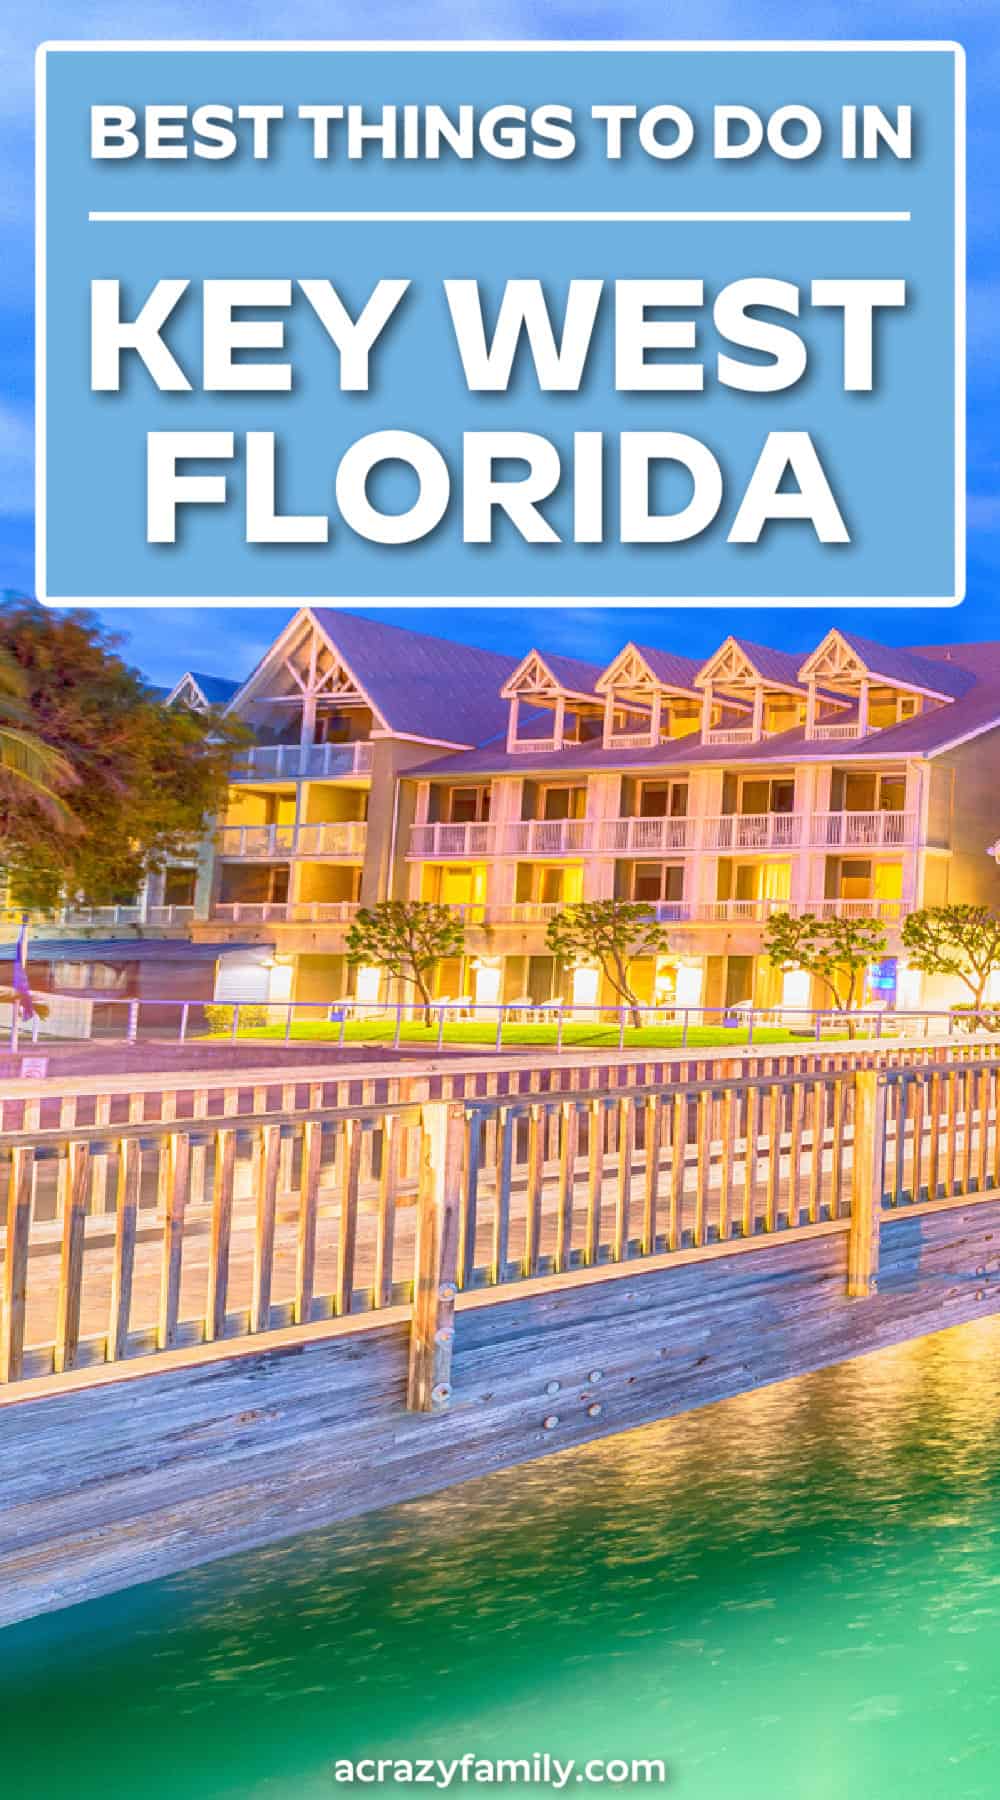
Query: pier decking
{"x": 620, "y": 1242}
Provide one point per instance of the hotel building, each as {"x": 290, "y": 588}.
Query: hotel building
{"x": 858, "y": 780}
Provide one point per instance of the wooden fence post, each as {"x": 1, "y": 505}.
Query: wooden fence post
{"x": 868, "y": 1183}
{"x": 435, "y": 1261}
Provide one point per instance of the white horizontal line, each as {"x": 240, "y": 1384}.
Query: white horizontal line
{"x": 498, "y": 218}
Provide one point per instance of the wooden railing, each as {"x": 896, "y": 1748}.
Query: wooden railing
{"x": 237, "y": 1212}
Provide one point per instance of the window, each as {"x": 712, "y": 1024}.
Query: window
{"x": 89, "y": 975}
{"x": 663, "y": 800}
{"x": 562, "y": 803}
{"x": 892, "y": 793}
{"x": 759, "y": 797}
{"x": 658, "y": 881}
{"x": 468, "y": 806}
{"x": 855, "y": 880}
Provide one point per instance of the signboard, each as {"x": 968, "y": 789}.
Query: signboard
{"x": 579, "y": 323}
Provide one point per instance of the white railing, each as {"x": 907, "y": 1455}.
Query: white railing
{"x": 863, "y": 830}
{"x": 536, "y": 746}
{"x": 730, "y": 734}
{"x": 555, "y": 837}
{"x": 835, "y": 733}
{"x": 514, "y": 912}
{"x": 169, "y": 915}
{"x": 752, "y": 831}
{"x": 292, "y": 762}
{"x": 285, "y": 912}
{"x": 477, "y": 838}
{"x": 757, "y": 912}
{"x": 549, "y": 837}
{"x": 99, "y": 915}
{"x": 631, "y": 740}
{"x": 341, "y": 837}
{"x": 645, "y": 837}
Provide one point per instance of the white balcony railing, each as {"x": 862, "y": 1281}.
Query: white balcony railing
{"x": 474, "y": 839}
{"x": 644, "y": 837}
{"x": 549, "y": 837}
{"x": 729, "y": 734}
{"x": 752, "y": 831}
{"x": 99, "y": 915}
{"x": 516, "y": 912}
{"x": 340, "y": 838}
{"x": 631, "y": 740}
{"x": 834, "y": 733}
{"x": 726, "y": 832}
{"x": 757, "y": 912}
{"x": 285, "y": 912}
{"x": 863, "y": 830}
{"x": 292, "y": 762}
{"x": 169, "y": 915}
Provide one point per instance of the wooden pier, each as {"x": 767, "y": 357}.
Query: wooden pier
{"x": 205, "y": 1288}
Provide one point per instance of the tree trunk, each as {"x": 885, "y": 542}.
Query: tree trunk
{"x": 425, "y": 996}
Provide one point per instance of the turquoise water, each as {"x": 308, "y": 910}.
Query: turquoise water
{"x": 792, "y": 1594}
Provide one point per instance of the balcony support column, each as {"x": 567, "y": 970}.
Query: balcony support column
{"x": 707, "y": 702}
{"x": 811, "y": 710}
{"x": 655, "y": 716}
{"x": 757, "y": 721}
{"x": 609, "y": 718}
{"x": 512, "y": 714}
{"x": 559, "y": 723}
{"x": 863, "y": 708}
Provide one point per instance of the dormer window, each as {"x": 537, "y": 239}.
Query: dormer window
{"x": 552, "y": 703}
{"x": 759, "y": 691}
{"x": 884, "y": 687}
{"x": 649, "y": 697}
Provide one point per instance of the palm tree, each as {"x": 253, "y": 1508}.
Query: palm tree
{"x": 26, "y": 760}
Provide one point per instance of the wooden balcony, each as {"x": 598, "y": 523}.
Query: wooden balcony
{"x": 298, "y": 762}
{"x": 337, "y": 839}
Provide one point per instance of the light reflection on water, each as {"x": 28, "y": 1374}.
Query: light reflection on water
{"x": 795, "y": 1594}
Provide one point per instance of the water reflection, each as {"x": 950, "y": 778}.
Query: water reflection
{"x": 796, "y": 1593}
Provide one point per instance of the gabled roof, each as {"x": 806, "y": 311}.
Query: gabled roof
{"x": 212, "y": 690}
{"x": 910, "y": 669}
{"x": 421, "y": 686}
{"x": 779, "y": 667}
{"x": 664, "y": 669}
{"x": 538, "y": 671}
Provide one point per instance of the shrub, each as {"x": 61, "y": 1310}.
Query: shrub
{"x": 219, "y": 1019}
{"x": 975, "y": 1018}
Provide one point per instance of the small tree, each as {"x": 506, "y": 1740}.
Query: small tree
{"x": 407, "y": 937}
{"x": 836, "y": 950}
{"x": 611, "y": 933}
{"x": 955, "y": 940}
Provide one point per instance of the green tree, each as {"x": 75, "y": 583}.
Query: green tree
{"x": 406, "y": 937}
{"x": 134, "y": 782}
{"x": 836, "y": 950}
{"x": 611, "y": 933}
{"x": 958, "y": 940}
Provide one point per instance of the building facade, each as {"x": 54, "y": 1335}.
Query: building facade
{"x": 859, "y": 780}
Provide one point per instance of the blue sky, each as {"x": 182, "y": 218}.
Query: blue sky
{"x": 165, "y": 641}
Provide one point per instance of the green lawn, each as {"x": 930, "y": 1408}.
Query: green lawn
{"x": 477, "y": 1031}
